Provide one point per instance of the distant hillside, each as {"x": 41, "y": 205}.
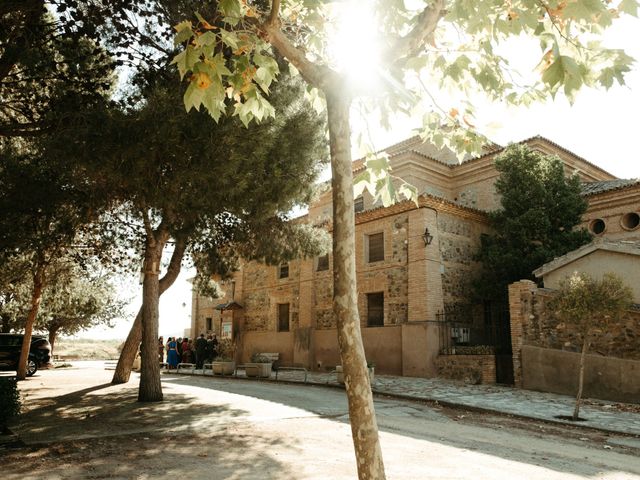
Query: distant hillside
{"x": 86, "y": 349}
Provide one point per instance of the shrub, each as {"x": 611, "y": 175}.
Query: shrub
{"x": 9, "y": 400}
{"x": 226, "y": 350}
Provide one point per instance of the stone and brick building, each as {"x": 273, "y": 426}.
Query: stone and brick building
{"x": 413, "y": 263}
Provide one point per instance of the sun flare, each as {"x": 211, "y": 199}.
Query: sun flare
{"x": 353, "y": 46}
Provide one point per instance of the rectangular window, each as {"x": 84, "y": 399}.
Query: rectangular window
{"x": 283, "y": 317}
{"x": 283, "y": 270}
{"x": 323, "y": 263}
{"x": 358, "y": 204}
{"x": 375, "y": 245}
{"x": 375, "y": 309}
{"x": 209, "y": 324}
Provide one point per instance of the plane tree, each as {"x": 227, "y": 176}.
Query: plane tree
{"x": 432, "y": 56}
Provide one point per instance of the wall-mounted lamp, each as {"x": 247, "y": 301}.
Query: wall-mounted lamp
{"x": 427, "y": 237}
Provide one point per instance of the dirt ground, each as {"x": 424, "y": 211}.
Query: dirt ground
{"x": 77, "y": 425}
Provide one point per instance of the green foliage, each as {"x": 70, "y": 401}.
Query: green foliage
{"x": 15, "y": 285}
{"x": 45, "y": 73}
{"x": 540, "y": 209}
{"x": 226, "y": 350}
{"x": 464, "y": 54}
{"x": 221, "y": 188}
{"x": 42, "y": 207}
{"x": 380, "y": 183}
{"x": 9, "y": 400}
{"x": 591, "y": 304}
{"x": 257, "y": 358}
{"x": 77, "y": 299}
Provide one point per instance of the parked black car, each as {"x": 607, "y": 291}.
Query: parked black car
{"x": 11, "y": 346}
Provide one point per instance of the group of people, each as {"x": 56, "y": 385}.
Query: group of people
{"x": 185, "y": 350}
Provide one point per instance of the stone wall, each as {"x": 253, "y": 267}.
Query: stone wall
{"x": 459, "y": 241}
{"x": 471, "y": 369}
{"x": 620, "y": 339}
{"x": 534, "y": 325}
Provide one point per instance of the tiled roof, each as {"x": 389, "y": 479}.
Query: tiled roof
{"x": 593, "y": 188}
{"x": 444, "y": 156}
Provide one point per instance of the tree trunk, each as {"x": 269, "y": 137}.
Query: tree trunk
{"x": 150, "y": 389}
{"x": 36, "y": 297}
{"x": 585, "y": 347}
{"x": 364, "y": 428}
{"x": 53, "y": 334}
{"x": 129, "y": 350}
{"x": 131, "y": 344}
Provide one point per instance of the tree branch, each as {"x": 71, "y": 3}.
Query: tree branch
{"x": 275, "y": 11}
{"x": 319, "y": 76}
{"x": 424, "y": 28}
{"x": 148, "y": 229}
{"x": 174, "y": 265}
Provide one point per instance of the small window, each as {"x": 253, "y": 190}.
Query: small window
{"x": 375, "y": 309}
{"x": 283, "y": 317}
{"x": 209, "y": 324}
{"x": 323, "y": 263}
{"x": 630, "y": 221}
{"x": 283, "y": 270}
{"x": 598, "y": 226}
{"x": 358, "y": 204}
{"x": 375, "y": 247}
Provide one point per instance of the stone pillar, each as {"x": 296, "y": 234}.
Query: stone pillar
{"x": 520, "y": 312}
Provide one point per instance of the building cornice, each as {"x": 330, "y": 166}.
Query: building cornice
{"x": 424, "y": 201}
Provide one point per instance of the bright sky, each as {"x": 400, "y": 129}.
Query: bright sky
{"x": 601, "y": 126}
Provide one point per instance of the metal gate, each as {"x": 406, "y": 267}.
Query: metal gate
{"x": 498, "y": 321}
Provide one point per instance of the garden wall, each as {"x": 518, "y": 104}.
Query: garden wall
{"x": 545, "y": 348}
{"x": 556, "y": 371}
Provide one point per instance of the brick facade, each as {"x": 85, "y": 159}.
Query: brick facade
{"x": 417, "y": 281}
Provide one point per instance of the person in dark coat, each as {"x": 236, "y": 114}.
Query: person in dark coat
{"x": 215, "y": 346}
{"x": 210, "y": 349}
{"x": 201, "y": 350}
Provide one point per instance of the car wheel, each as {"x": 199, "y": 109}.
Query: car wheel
{"x": 32, "y": 367}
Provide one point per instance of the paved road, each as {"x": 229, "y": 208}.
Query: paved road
{"x": 81, "y": 427}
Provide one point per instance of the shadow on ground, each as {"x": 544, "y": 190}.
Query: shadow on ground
{"x": 527, "y": 442}
{"x": 103, "y": 432}
{"x": 106, "y": 410}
